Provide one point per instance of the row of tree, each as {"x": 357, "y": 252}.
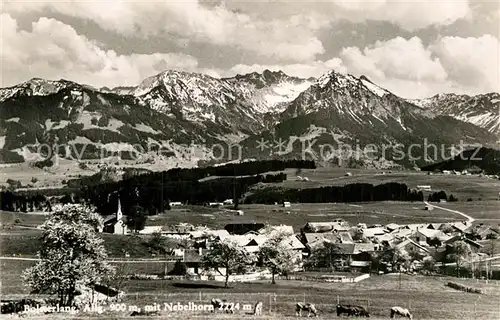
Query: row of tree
{"x": 357, "y": 192}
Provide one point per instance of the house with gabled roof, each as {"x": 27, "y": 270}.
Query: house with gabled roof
{"x": 271, "y": 230}
{"x": 434, "y": 226}
{"x": 423, "y": 236}
{"x": 319, "y": 227}
{"x": 482, "y": 232}
{"x": 370, "y": 233}
{"x": 411, "y": 246}
{"x": 392, "y": 227}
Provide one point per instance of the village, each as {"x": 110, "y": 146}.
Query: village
{"x": 337, "y": 250}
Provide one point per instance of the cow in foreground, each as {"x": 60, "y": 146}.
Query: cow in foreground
{"x": 222, "y": 305}
{"x": 258, "y": 309}
{"x": 309, "y": 307}
{"x": 403, "y": 312}
{"x": 357, "y": 311}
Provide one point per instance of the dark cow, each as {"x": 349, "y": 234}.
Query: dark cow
{"x": 401, "y": 312}
{"x": 15, "y": 306}
{"x": 222, "y": 305}
{"x": 357, "y": 311}
{"x": 309, "y": 307}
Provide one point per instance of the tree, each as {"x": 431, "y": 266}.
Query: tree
{"x": 72, "y": 254}
{"x": 276, "y": 256}
{"x": 460, "y": 253}
{"x": 429, "y": 264}
{"x": 158, "y": 244}
{"x": 136, "y": 218}
{"x": 358, "y": 235}
{"x": 328, "y": 254}
{"x": 228, "y": 255}
{"x": 398, "y": 258}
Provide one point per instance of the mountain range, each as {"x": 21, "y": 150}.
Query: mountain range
{"x": 270, "y": 114}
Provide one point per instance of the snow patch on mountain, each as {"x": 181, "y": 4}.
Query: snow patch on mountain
{"x": 374, "y": 88}
{"x": 2, "y": 141}
{"x": 15, "y": 119}
{"x": 119, "y": 146}
{"x": 481, "y": 110}
{"x": 145, "y": 128}
{"x": 28, "y": 155}
{"x": 280, "y": 95}
{"x": 80, "y": 140}
{"x": 55, "y": 125}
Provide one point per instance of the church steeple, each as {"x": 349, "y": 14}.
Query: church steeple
{"x": 119, "y": 213}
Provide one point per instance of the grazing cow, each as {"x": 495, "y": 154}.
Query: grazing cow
{"x": 360, "y": 311}
{"x": 401, "y": 312}
{"x": 357, "y": 311}
{"x": 258, "y": 309}
{"x": 222, "y": 305}
{"x": 309, "y": 307}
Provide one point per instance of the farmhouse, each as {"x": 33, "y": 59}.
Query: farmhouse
{"x": 411, "y": 246}
{"x": 214, "y": 204}
{"x": 151, "y": 229}
{"x": 286, "y": 204}
{"x": 274, "y": 230}
{"x": 319, "y": 227}
{"x": 243, "y": 228}
{"x": 424, "y": 188}
{"x": 176, "y": 204}
{"x": 313, "y": 239}
{"x": 392, "y": 226}
{"x": 115, "y": 223}
{"x": 372, "y": 232}
{"x": 250, "y": 242}
{"x": 423, "y": 236}
{"x": 483, "y": 232}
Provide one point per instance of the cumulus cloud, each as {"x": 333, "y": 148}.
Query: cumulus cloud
{"x": 397, "y": 58}
{"x": 55, "y": 50}
{"x": 411, "y": 15}
{"x": 410, "y": 69}
{"x": 472, "y": 62}
{"x": 291, "y": 38}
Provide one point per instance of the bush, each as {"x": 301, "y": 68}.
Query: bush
{"x": 464, "y": 288}
{"x": 180, "y": 269}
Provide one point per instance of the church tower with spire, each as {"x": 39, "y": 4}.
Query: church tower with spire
{"x": 119, "y": 214}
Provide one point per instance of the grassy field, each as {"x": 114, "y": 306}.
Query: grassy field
{"x": 483, "y": 211}
{"x": 22, "y": 219}
{"x": 463, "y": 187}
{"x": 26, "y": 242}
{"x": 301, "y": 213}
{"x": 48, "y": 177}
{"x": 427, "y": 297}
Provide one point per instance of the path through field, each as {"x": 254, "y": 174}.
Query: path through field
{"x": 469, "y": 218}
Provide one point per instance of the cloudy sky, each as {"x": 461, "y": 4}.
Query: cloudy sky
{"x": 413, "y": 48}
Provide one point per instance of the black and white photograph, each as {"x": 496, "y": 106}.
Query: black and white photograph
{"x": 250, "y": 159}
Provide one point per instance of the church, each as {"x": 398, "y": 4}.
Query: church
{"x": 115, "y": 224}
